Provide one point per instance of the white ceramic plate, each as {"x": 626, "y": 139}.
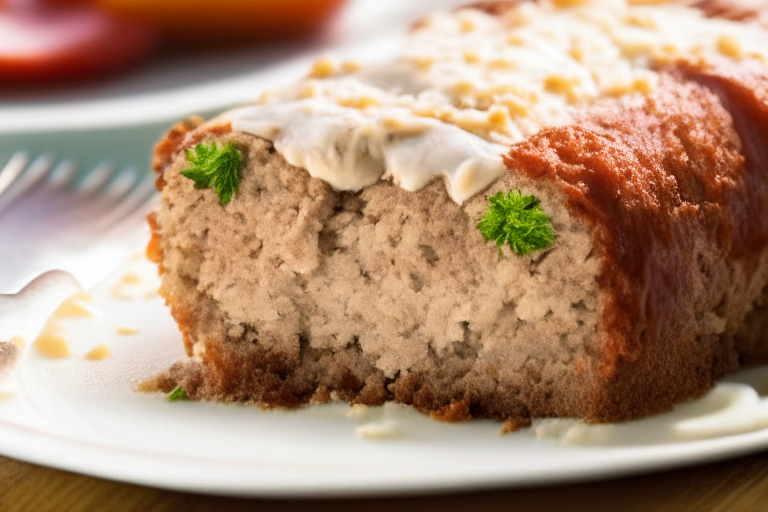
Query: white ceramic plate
{"x": 84, "y": 416}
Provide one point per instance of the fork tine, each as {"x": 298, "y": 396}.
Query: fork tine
{"x": 62, "y": 221}
{"x": 136, "y": 217}
{"x": 103, "y": 188}
{"x": 63, "y": 175}
{"x": 96, "y": 180}
{"x": 133, "y": 201}
{"x": 60, "y": 178}
{"x": 13, "y": 169}
{"x": 122, "y": 184}
{"x": 27, "y": 179}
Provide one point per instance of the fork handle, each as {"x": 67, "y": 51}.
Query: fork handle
{"x": 24, "y": 314}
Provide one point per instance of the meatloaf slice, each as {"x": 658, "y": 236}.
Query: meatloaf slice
{"x": 655, "y": 285}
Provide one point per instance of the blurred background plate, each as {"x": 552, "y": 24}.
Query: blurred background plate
{"x": 205, "y": 80}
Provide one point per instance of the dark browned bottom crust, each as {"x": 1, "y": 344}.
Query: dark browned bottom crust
{"x": 234, "y": 372}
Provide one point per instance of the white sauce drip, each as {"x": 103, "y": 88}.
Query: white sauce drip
{"x": 731, "y": 408}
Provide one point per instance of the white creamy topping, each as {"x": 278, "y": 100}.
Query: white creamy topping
{"x": 470, "y": 84}
{"x": 351, "y": 149}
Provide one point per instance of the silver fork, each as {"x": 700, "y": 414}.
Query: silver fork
{"x": 58, "y": 234}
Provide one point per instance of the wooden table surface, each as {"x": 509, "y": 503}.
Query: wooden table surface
{"x": 733, "y": 486}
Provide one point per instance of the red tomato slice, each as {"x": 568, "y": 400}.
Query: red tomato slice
{"x": 46, "y": 44}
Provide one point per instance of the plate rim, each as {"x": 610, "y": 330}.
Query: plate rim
{"x": 128, "y": 466}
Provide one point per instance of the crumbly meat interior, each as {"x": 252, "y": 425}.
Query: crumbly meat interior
{"x": 294, "y": 291}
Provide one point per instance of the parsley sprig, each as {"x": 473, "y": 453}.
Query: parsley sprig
{"x": 518, "y": 221}
{"x": 217, "y": 168}
{"x": 178, "y": 395}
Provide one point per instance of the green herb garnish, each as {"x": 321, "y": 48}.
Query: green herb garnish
{"x": 177, "y": 395}
{"x": 217, "y": 168}
{"x": 518, "y": 221}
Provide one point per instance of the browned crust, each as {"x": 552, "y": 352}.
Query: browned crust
{"x": 181, "y": 136}
{"x": 170, "y": 145}
{"x": 155, "y": 246}
{"x": 666, "y": 185}
{"x": 453, "y": 412}
{"x": 515, "y": 424}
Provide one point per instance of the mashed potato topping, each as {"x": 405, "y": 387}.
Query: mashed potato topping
{"x": 469, "y": 84}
